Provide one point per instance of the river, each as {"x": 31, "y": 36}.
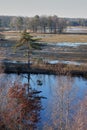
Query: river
{"x": 57, "y": 95}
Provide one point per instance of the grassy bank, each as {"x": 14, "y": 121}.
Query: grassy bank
{"x": 59, "y": 69}
{"x": 50, "y": 37}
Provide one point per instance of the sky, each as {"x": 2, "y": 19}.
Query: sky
{"x": 61, "y": 8}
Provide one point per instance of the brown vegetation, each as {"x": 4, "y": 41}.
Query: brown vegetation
{"x": 60, "y": 69}
{"x": 52, "y": 38}
{"x": 64, "y": 38}
{"x": 19, "y": 110}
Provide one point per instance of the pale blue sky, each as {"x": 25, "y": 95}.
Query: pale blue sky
{"x": 61, "y": 8}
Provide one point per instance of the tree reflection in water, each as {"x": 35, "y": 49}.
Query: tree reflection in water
{"x": 22, "y": 108}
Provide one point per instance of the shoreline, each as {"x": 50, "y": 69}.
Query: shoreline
{"x": 56, "y": 69}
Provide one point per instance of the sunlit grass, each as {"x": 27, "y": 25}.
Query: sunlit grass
{"x": 65, "y": 38}
{"x": 50, "y": 37}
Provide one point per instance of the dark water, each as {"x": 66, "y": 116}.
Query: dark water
{"x": 54, "y": 92}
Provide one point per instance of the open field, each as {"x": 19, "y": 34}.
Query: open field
{"x": 65, "y": 38}
{"x": 52, "y": 38}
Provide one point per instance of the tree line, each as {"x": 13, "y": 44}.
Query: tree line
{"x": 41, "y": 24}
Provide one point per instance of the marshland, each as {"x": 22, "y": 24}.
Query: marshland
{"x": 43, "y": 87}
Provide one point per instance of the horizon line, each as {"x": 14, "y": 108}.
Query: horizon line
{"x": 43, "y": 15}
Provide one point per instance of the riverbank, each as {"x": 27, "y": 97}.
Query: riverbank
{"x": 56, "y": 69}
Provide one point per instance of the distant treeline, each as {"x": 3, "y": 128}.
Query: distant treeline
{"x": 42, "y": 24}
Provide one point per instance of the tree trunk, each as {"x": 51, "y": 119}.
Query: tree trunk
{"x": 28, "y": 70}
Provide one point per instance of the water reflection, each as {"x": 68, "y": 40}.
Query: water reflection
{"x": 62, "y": 96}
{"x": 21, "y": 105}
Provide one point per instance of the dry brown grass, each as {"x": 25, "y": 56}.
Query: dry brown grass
{"x": 65, "y": 38}
{"x": 50, "y": 37}
{"x": 61, "y": 69}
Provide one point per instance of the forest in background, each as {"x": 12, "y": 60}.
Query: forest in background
{"x": 40, "y": 24}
